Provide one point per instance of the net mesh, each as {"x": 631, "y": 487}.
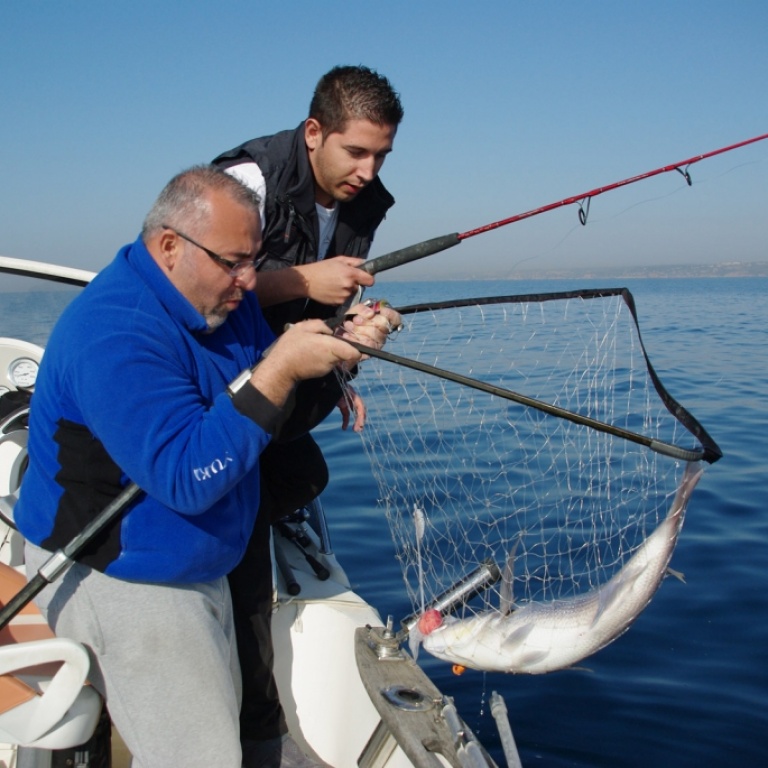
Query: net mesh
{"x": 551, "y": 508}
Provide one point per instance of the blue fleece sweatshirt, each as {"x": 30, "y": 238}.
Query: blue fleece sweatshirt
{"x": 132, "y": 388}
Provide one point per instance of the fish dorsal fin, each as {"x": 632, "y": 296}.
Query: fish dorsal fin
{"x": 506, "y": 592}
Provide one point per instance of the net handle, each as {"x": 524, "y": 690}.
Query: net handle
{"x": 658, "y": 446}
{"x": 711, "y": 450}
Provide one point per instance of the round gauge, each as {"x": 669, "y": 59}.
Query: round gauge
{"x": 23, "y": 372}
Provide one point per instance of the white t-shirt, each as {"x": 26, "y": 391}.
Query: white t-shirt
{"x": 327, "y": 218}
{"x": 250, "y": 174}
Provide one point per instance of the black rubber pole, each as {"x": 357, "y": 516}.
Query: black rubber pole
{"x": 59, "y": 562}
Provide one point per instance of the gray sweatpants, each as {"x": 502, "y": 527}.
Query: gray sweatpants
{"x": 163, "y": 656}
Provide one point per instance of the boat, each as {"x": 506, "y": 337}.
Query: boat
{"x": 367, "y": 704}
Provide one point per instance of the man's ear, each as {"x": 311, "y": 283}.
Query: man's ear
{"x": 313, "y": 133}
{"x": 168, "y": 248}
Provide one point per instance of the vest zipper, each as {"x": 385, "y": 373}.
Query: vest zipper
{"x": 291, "y": 219}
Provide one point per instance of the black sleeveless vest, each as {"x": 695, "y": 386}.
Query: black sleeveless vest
{"x": 291, "y": 235}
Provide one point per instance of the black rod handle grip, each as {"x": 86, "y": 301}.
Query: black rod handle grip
{"x": 411, "y": 253}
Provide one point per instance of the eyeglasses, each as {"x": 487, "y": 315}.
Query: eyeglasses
{"x": 237, "y": 269}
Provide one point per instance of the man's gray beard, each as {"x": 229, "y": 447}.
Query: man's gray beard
{"x": 215, "y": 320}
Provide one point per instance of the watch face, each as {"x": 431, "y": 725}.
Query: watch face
{"x": 240, "y": 381}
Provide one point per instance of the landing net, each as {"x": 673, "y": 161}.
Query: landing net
{"x": 469, "y": 479}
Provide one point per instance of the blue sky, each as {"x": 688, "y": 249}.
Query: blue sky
{"x": 508, "y": 106}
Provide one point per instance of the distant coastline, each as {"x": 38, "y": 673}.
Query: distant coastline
{"x": 673, "y": 271}
{"x": 724, "y": 269}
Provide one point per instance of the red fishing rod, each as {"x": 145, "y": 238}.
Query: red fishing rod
{"x": 428, "y": 247}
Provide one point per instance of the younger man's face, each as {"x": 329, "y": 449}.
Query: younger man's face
{"x": 344, "y": 162}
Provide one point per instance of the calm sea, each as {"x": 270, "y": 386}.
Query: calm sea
{"x": 687, "y": 685}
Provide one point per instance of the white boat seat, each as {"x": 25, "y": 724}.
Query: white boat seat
{"x": 45, "y": 701}
{"x": 13, "y": 459}
{"x": 14, "y": 436}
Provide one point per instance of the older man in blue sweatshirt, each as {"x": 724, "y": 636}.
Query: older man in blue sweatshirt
{"x": 133, "y": 387}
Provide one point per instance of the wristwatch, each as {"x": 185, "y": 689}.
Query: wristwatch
{"x": 238, "y": 383}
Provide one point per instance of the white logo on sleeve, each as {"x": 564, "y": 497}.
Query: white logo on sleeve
{"x": 216, "y": 466}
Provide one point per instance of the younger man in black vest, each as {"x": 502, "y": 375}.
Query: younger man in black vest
{"x": 322, "y": 202}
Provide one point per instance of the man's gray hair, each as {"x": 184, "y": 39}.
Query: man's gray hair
{"x": 184, "y": 201}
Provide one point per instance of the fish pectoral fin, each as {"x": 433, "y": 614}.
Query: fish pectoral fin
{"x": 517, "y": 637}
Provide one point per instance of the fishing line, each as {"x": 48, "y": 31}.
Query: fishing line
{"x": 583, "y": 200}
{"x": 646, "y": 201}
{"x": 710, "y": 451}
